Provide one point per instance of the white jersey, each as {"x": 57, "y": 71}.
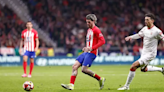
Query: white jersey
{"x": 150, "y": 40}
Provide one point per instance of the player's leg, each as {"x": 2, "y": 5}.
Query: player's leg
{"x": 150, "y": 68}
{"x": 89, "y": 72}
{"x": 131, "y": 75}
{"x": 73, "y": 76}
{"x": 25, "y": 58}
{"x": 89, "y": 58}
{"x": 74, "y": 72}
{"x": 94, "y": 75}
{"x": 31, "y": 67}
{"x": 75, "y": 67}
{"x": 31, "y": 56}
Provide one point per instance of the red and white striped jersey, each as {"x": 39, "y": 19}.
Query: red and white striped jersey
{"x": 29, "y": 39}
{"x": 94, "y": 39}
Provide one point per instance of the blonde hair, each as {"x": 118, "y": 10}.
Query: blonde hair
{"x": 92, "y": 17}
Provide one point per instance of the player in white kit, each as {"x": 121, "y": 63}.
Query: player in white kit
{"x": 151, "y": 34}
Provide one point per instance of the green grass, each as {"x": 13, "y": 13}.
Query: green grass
{"x": 49, "y": 79}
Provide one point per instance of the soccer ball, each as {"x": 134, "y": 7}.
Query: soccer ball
{"x": 28, "y": 85}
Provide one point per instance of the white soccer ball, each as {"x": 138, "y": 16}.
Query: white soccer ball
{"x": 28, "y": 85}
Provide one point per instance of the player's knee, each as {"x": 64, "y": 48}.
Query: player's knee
{"x": 31, "y": 61}
{"x": 143, "y": 70}
{"x": 84, "y": 70}
{"x": 133, "y": 69}
{"x": 74, "y": 67}
{"x": 24, "y": 60}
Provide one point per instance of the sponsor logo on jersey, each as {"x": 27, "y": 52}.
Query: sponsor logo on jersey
{"x": 100, "y": 35}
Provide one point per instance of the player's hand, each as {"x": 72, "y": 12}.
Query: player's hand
{"x": 36, "y": 49}
{"x": 86, "y": 49}
{"x": 128, "y": 38}
{"x": 20, "y": 51}
{"x": 89, "y": 48}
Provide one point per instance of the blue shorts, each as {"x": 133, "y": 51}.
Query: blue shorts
{"x": 86, "y": 59}
{"x": 30, "y": 54}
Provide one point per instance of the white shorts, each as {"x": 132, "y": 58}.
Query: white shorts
{"x": 145, "y": 60}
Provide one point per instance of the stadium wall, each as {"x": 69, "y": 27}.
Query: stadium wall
{"x": 52, "y": 61}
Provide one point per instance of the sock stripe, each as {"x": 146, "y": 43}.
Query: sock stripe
{"x": 131, "y": 69}
{"x": 97, "y": 77}
{"x": 94, "y": 75}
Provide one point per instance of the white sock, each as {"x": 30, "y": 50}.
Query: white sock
{"x": 130, "y": 78}
{"x": 153, "y": 68}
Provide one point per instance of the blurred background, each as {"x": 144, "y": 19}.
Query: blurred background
{"x": 62, "y": 28}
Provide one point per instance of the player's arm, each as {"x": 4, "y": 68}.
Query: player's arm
{"x": 37, "y": 44}
{"x": 161, "y": 35}
{"x": 140, "y": 34}
{"x": 135, "y": 36}
{"x": 101, "y": 40}
{"x": 37, "y": 41}
{"x": 21, "y": 44}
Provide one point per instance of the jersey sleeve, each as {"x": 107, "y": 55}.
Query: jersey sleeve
{"x": 140, "y": 34}
{"x": 36, "y": 35}
{"x": 160, "y": 35}
{"x": 100, "y": 37}
{"x": 22, "y": 35}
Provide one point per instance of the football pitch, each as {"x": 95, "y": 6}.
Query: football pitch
{"x": 49, "y": 79}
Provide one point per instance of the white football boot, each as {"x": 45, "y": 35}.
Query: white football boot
{"x": 123, "y": 88}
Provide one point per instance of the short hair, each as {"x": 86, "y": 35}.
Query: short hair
{"x": 92, "y": 17}
{"x": 152, "y": 16}
{"x": 28, "y": 22}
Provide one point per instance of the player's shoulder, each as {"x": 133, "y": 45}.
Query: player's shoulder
{"x": 24, "y": 30}
{"x": 157, "y": 29}
{"x": 33, "y": 30}
{"x": 96, "y": 29}
{"x": 145, "y": 27}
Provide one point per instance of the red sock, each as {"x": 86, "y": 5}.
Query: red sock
{"x": 97, "y": 77}
{"x": 72, "y": 80}
{"x": 131, "y": 69}
{"x": 24, "y": 66}
{"x": 31, "y": 67}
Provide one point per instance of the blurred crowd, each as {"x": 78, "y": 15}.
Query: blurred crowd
{"x": 64, "y": 20}
{"x": 11, "y": 27}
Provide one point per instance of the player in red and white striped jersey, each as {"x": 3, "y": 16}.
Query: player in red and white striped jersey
{"x": 31, "y": 43}
{"x": 94, "y": 40}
